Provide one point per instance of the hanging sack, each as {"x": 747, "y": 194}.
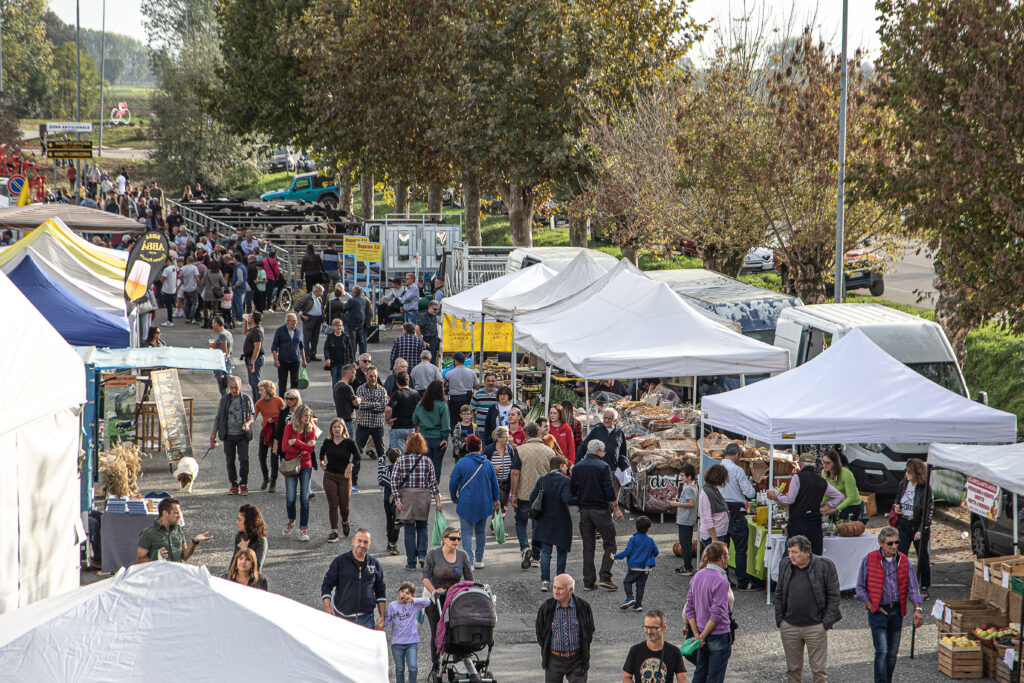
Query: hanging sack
{"x": 498, "y": 524}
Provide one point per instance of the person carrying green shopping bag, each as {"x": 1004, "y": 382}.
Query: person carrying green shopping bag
{"x": 473, "y": 485}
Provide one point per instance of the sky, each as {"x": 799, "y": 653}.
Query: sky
{"x": 125, "y": 16}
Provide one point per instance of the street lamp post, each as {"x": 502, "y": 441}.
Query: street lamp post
{"x": 78, "y": 93}
{"x": 840, "y": 190}
{"x": 103, "y": 56}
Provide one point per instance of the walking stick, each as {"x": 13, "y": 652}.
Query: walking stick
{"x": 913, "y": 638}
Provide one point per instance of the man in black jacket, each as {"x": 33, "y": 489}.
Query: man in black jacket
{"x": 357, "y": 581}
{"x": 591, "y": 487}
{"x": 615, "y": 453}
{"x": 565, "y": 630}
{"x": 805, "y": 622}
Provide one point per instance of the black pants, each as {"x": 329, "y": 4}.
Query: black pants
{"x": 357, "y": 336}
{"x": 393, "y": 527}
{"x": 263, "y": 452}
{"x": 364, "y": 434}
{"x": 434, "y": 616}
{"x": 311, "y": 334}
{"x": 237, "y": 446}
{"x": 809, "y": 527}
{"x": 287, "y": 372}
{"x": 924, "y": 571}
{"x": 592, "y": 523}
{"x": 638, "y": 577}
{"x": 686, "y": 541}
{"x": 455, "y": 403}
{"x": 739, "y": 533}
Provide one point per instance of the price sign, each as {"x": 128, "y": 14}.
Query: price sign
{"x": 1008, "y": 657}
{"x": 982, "y": 498}
{"x": 367, "y": 251}
{"x": 349, "y": 243}
{"x": 947, "y": 616}
{"x": 986, "y": 573}
{"x": 937, "y": 609}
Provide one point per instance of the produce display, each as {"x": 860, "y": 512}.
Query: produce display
{"x": 1003, "y": 636}
{"x": 959, "y": 641}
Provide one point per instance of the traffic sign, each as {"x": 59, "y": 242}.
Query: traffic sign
{"x": 69, "y": 149}
{"x": 68, "y": 127}
{"x": 15, "y": 184}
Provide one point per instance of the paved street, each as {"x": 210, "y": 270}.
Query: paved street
{"x": 296, "y": 569}
{"x": 912, "y": 275}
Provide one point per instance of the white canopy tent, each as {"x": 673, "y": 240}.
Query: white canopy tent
{"x": 853, "y": 392}
{"x": 43, "y": 391}
{"x": 469, "y": 305}
{"x": 149, "y": 619}
{"x": 581, "y": 272}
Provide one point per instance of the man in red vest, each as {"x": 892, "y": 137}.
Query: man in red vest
{"x": 884, "y": 584}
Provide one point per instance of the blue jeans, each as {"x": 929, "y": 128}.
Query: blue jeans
{"x": 471, "y": 530}
{"x": 336, "y": 373}
{"x": 405, "y": 656}
{"x": 365, "y": 620}
{"x": 886, "y": 630}
{"x": 293, "y": 483}
{"x": 436, "y": 456}
{"x": 238, "y": 305}
{"x": 415, "y": 542}
{"x": 522, "y": 517}
{"x": 248, "y": 301}
{"x": 545, "y": 561}
{"x": 255, "y": 376}
{"x": 411, "y": 316}
{"x": 712, "y": 659}
{"x": 397, "y": 437}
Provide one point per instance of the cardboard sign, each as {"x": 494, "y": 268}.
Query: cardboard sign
{"x": 982, "y": 498}
{"x": 349, "y": 243}
{"x": 174, "y": 435}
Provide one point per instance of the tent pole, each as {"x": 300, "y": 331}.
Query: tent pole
{"x": 700, "y": 480}
{"x": 743, "y": 380}
{"x": 1016, "y": 538}
{"x": 586, "y": 396}
{"x": 547, "y": 387}
{"x": 514, "y": 368}
{"x": 693, "y": 394}
{"x": 768, "y": 546}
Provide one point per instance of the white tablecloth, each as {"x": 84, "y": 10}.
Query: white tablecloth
{"x": 845, "y": 552}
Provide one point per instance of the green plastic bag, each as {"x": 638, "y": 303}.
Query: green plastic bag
{"x": 303, "y": 379}
{"x": 498, "y": 524}
{"x": 440, "y": 524}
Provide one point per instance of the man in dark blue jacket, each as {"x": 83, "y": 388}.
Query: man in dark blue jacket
{"x": 288, "y": 350}
{"x": 615, "y": 452}
{"x": 591, "y": 487}
{"x": 357, "y": 581}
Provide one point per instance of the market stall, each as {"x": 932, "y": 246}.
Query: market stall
{"x": 854, "y": 392}
{"x": 155, "y": 620}
{"x": 43, "y": 392}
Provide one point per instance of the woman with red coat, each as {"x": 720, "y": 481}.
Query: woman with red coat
{"x": 299, "y": 441}
{"x": 562, "y": 432}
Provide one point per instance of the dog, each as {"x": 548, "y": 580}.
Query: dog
{"x": 188, "y": 470}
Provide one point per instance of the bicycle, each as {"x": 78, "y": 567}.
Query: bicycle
{"x": 120, "y": 115}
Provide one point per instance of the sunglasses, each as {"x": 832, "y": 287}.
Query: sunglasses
{"x": 890, "y": 543}
{"x": 291, "y": 398}
{"x": 455, "y": 538}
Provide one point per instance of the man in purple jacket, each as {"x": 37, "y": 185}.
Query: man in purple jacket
{"x": 707, "y": 611}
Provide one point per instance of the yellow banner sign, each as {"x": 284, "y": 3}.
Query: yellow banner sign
{"x": 458, "y": 335}
{"x": 350, "y": 241}
{"x": 367, "y": 251}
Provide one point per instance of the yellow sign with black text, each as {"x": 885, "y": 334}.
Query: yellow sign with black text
{"x": 367, "y": 251}
{"x": 458, "y": 335}
{"x": 350, "y": 241}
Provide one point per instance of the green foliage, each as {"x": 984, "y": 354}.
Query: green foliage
{"x": 126, "y": 56}
{"x": 10, "y": 130}
{"x": 995, "y": 364}
{"x": 28, "y": 58}
{"x": 771, "y": 281}
{"x": 113, "y": 67}
{"x": 65, "y": 86}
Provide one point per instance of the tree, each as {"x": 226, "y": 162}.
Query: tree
{"x": 113, "y": 67}
{"x": 65, "y": 63}
{"x": 57, "y": 32}
{"x": 950, "y": 73}
{"x": 28, "y": 58}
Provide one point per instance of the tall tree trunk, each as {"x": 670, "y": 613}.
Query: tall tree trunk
{"x": 577, "y": 230}
{"x": 629, "y": 252}
{"x": 808, "y": 282}
{"x": 366, "y": 196}
{"x": 947, "y": 315}
{"x": 726, "y": 261}
{"x": 434, "y": 198}
{"x": 471, "y": 201}
{"x": 345, "y": 189}
{"x": 402, "y": 199}
{"x": 519, "y": 199}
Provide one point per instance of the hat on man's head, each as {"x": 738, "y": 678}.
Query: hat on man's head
{"x": 806, "y": 458}
{"x": 595, "y": 446}
{"x": 460, "y": 358}
{"x": 732, "y": 449}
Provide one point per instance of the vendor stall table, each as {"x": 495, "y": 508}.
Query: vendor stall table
{"x": 757, "y": 540}
{"x": 845, "y": 552}
{"x": 120, "y": 538}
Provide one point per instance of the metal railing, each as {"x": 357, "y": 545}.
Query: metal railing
{"x": 467, "y": 266}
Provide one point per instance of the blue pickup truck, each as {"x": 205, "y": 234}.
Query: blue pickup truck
{"x": 308, "y": 187}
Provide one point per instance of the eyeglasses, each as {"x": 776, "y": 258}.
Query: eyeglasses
{"x": 890, "y": 543}
{"x": 652, "y": 628}
{"x": 455, "y": 538}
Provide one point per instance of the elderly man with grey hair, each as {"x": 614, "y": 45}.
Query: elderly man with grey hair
{"x": 565, "y": 630}
{"x": 885, "y": 583}
{"x": 806, "y": 608}
{"x": 592, "y": 489}
{"x": 311, "y": 310}
{"x": 424, "y": 373}
{"x": 613, "y": 439}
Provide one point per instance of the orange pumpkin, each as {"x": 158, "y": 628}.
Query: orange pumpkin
{"x": 677, "y": 549}
{"x": 851, "y": 529}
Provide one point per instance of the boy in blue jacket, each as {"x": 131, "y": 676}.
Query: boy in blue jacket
{"x": 640, "y": 553}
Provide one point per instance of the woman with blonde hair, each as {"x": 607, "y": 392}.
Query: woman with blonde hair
{"x": 413, "y": 484}
{"x": 243, "y": 570}
{"x": 269, "y": 407}
{"x": 500, "y": 452}
{"x": 338, "y": 452}
{"x": 299, "y": 443}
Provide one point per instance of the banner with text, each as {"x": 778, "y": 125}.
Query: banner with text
{"x": 458, "y": 335}
{"x": 982, "y": 498}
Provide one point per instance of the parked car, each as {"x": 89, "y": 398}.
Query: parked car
{"x": 305, "y": 162}
{"x": 308, "y": 187}
{"x": 283, "y": 159}
{"x": 759, "y": 259}
{"x": 993, "y": 539}
{"x": 860, "y": 271}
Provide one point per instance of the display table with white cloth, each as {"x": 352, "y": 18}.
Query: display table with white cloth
{"x": 119, "y": 538}
{"x": 845, "y": 552}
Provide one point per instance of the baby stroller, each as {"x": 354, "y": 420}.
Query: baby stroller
{"x": 466, "y": 628}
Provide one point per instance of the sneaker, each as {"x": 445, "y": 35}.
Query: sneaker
{"x": 289, "y": 525}
{"x": 243, "y": 490}
{"x": 233, "y": 491}
{"x": 273, "y": 487}
{"x": 545, "y": 586}
{"x": 392, "y": 549}
{"x": 312, "y": 495}
{"x": 748, "y": 588}
{"x": 535, "y": 564}
{"x": 333, "y": 538}
{"x": 527, "y": 559}
{"x": 344, "y": 529}
{"x": 421, "y": 564}
{"x": 608, "y": 584}
{"x": 303, "y": 535}
{"x": 479, "y": 565}
{"x": 263, "y": 486}
{"x": 590, "y": 588}
{"x": 628, "y": 602}
{"x": 410, "y": 568}
{"x": 355, "y": 490}
{"x": 638, "y": 608}
{"x": 168, "y": 324}
{"x": 684, "y": 571}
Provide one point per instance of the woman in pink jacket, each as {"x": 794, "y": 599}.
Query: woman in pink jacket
{"x": 299, "y": 441}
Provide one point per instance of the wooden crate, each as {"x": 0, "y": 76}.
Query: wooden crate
{"x": 961, "y": 662}
{"x": 1004, "y": 674}
{"x": 991, "y": 658}
{"x": 955, "y": 606}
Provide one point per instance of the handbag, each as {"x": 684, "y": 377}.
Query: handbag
{"x": 537, "y": 506}
{"x": 498, "y": 524}
{"x": 290, "y": 468}
{"x": 893, "y": 518}
{"x": 440, "y": 524}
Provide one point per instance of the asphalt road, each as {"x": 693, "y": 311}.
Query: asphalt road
{"x": 911, "y": 280}
{"x": 107, "y": 152}
{"x": 295, "y": 569}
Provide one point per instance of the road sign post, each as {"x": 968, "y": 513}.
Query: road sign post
{"x": 70, "y": 149}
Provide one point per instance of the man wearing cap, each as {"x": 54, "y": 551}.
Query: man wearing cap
{"x": 803, "y": 497}
{"x": 591, "y": 487}
{"x": 426, "y": 327}
{"x": 461, "y": 381}
{"x": 736, "y": 492}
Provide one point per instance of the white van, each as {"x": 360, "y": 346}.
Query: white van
{"x": 917, "y": 343}
{"x": 554, "y": 258}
